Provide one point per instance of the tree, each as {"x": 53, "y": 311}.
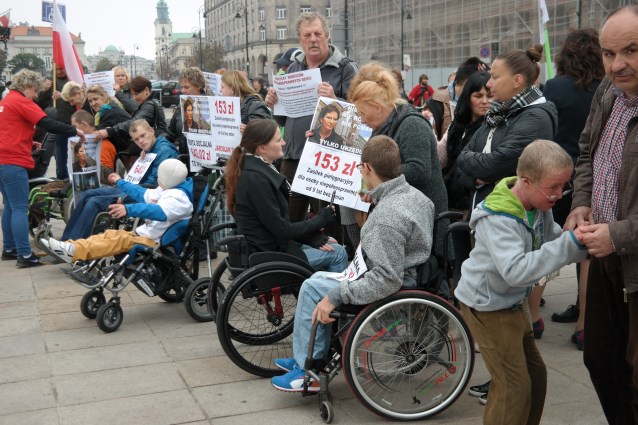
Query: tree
{"x": 3, "y": 60}
{"x": 26, "y": 61}
{"x": 104, "y": 64}
{"x": 212, "y": 56}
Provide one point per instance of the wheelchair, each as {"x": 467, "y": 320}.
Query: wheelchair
{"x": 168, "y": 270}
{"x": 406, "y": 357}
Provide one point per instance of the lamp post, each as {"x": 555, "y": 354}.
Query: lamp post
{"x": 238, "y": 8}
{"x": 263, "y": 28}
{"x": 201, "y": 11}
{"x": 135, "y": 48}
{"x": 160, "y": 64}
{"x": 405, "y": 14}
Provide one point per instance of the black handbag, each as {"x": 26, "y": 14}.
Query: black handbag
{"x": 42, "y": 159}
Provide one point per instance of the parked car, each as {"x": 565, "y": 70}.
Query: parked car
{"x": 170, "y": 93}
{"x": 156, "y": 89}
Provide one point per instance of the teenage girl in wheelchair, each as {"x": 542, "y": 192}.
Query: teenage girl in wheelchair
{"x": 408, "y": 355}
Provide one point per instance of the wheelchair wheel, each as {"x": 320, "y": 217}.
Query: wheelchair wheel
{"x": 42, "y": 231}
{"x": 408, "y": 357}
{"x": 68, "y": 205}
{"x": 109, "y": 317}
{"x": 173, "y": 295}
{"x": 254, "y": 320}
{"x": 197, "y": 304}
{"x": 221, "y": 280}
{"x": 91, "y": 303}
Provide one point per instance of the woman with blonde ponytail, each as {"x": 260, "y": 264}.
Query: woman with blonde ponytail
{"x": 257, "y": 197}
{"x": 375, "y": 93}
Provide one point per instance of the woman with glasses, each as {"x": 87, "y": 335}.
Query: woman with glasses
{"x": 257, "y": 197}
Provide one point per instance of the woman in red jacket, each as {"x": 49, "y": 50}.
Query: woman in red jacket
{"x": 18, "y": 117}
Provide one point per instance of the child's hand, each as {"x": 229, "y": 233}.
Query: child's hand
{"x": 113, "y": 178}
{"x": 117, "y": 210}
{"x": 579, "y": 235}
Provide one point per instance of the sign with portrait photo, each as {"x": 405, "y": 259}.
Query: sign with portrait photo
{"x": 83, "y": 163}
{"x": 211, "y": 126}
{"x": 330, "y": 156}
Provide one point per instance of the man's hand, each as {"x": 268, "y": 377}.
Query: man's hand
{"x": 598, "y": 239}
{"x": 580, "y": 216}
{"x": 322, "y": 311}
{"x": 100, "y": 134}
{"x": 366, "y": 198}
{"x": 325, "y": 89}
{"x": 113, "y": 178}
{"x": 117, "y": 210}
{"x": 271, "y": 97}
{"x": 56, "y": 95}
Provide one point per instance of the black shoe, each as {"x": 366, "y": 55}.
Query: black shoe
{"x": 479, "y": 390}
{"x": 568, "y": 316}
{"x": 30, "y": 261}
{"x": 9, "y": 255}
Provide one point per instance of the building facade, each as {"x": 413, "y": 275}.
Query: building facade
{"x": 267, "y": 27}
{"x": 38, "y": 41}
{"x": 135, "y": 65}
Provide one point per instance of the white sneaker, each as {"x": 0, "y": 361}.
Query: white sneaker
{"x": 61, "y": 250}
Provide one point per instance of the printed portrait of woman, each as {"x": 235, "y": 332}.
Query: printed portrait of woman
{"x": 189, "y": 123}
{"x": 325, "y": 127}
{"x": 81, "y": 161}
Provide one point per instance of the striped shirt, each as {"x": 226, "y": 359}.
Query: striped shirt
{"x": 608, "y": 159}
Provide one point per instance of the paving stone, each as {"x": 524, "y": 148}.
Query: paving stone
{"x": 169, "y": 320}
{"x": 107, "y": 358}
{"x": 18, "y": 309}
{"x": 16, "y": 289}
{"x": 26, "y": 395}
{"x": 93, "y": 337}
{"x": 210, "y": 371}
{"x": 193, "y": 347}
{"x": 19, "y": 325}
{"x": 75, "y": 320}
{"x": 37, "y": 417}
{"x": 21, "y": 345}
{"x": 172, "y": 407}
{"x": 24, "y": 368}
{"x": 119, "y": 383}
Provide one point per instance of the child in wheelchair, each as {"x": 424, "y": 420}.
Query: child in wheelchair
{"x": 395, "y": 240}
{"x": 160, "y": 208}
{"x": 517, "y": 243}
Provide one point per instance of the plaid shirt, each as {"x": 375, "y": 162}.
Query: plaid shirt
{"x": 608, "y": 159}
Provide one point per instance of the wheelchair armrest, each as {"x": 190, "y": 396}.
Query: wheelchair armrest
{"x": 459, "y": 227}
{"x": 222, "y": 226}
{"x": 231, "y": 239}
{"x": 450, "y": 215}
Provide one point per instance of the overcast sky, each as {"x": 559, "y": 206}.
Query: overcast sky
{"x": 118, "y": 22}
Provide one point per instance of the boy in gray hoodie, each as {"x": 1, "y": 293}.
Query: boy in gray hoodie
{"x": 517, "y": 243}
{"x": 396, "y": 238}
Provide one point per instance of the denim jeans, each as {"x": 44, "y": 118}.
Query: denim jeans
{"x": 312, "y": 291}
{"x": 61, "y": 156}
{"x": 14, "y": 186}
{"x": 88, "y": 205}
{"x": 331, "y": 261}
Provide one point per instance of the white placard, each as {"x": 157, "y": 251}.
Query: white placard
{"x": 329, "y": 164}
{"x": 296, "y": 93}
{"x": 214, "y": 82}
{"x": 211, "y": 128}
{"x": 83, "y": 163}
{"x": 141, "y": 166}
{"x": 355, "y": 269}
{"x": 105, "y": 79}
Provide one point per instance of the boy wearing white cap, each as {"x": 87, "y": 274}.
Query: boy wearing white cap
{"x": 160, "y": 208}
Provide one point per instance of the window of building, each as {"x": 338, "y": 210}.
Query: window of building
{"x": 328, "y": 12}
{"x": 21, "y": 49}
{"x": 281, "y": 33}
{"x": 281, "y": 13}
{"x": 35, "y": 50}
{"x": 47, "y": 62}
{"x": 262, "y": 15}
{"x": 306, "y": 9}
{"x": 262, "y": 35}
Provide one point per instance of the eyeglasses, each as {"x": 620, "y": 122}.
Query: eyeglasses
{"x": 566, "y": 191}
{"x": 360, "y": 166}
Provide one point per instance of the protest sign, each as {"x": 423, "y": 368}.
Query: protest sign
{"x": 103, "y": 78}
{"x": 211, "y": 127}
{"x": 296, "y": 93}
{"x": 83, "y": 163}
{"x": 141, "y": 166}
{"x": 214, "y": 82}
{"x": 330, "y": 156}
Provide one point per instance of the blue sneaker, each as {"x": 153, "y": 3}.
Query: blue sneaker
{"x": 286, "y": 364}
{"x": 292, "y": 382}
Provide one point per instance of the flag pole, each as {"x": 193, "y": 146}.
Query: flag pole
{"x": 54, "y": 84}
{"x": 548, "y": 56}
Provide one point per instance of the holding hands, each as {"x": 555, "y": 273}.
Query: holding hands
{"x": 595, "y": 236}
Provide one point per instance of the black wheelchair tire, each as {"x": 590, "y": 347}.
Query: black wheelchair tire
{"x": 109, "y": 317}
{"x": 217, "y": 287}
{"x": 197, "y": 296}
{"x": 460, "y": 343}
{"x": 91, "y": 303}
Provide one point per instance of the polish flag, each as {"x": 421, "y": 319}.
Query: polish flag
{"x": 4, "y": 19}
{"x": 64, "y": 53}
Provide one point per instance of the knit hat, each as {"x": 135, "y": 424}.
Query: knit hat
{"x": 171, "y": 172}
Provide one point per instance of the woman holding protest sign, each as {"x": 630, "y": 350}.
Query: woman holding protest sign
{"x": 375, "y": 93}
{"x": 257, "y": 197}
{"x": 193, "y": 83}
{"x": 251, "y": 104}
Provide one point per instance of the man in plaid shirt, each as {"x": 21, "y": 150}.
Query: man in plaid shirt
{"x": 605, "y": 209}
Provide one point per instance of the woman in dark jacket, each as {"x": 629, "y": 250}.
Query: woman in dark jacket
{"x": 193, "y": 83}
{"x": 257, "y": 197}
{"x": 518, "y": 115}
{"x": 107, "y": 114}
{"x": 375, "y": 93}
{"x": 122, "y": 90}
{"x": 251, "y": 104}
{"x": 148, "y": 109}
{"x": 470, "y": 110}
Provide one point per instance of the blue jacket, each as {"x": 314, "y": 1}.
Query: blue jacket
{"x": 164, "y": 150}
